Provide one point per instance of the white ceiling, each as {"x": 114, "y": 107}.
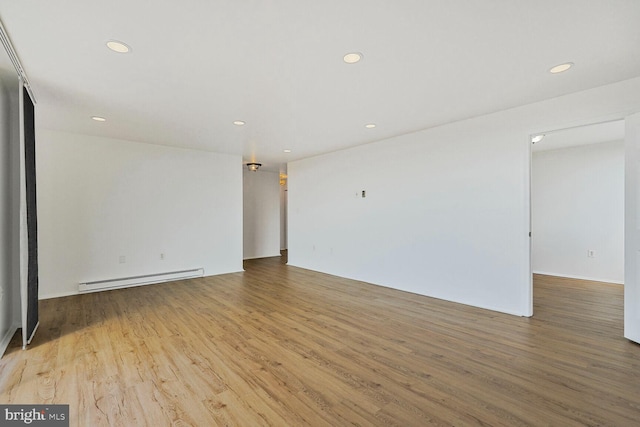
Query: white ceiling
{"x": 198, "y": 65}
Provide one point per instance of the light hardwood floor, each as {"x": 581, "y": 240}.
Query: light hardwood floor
{"x": 284, "y": 346}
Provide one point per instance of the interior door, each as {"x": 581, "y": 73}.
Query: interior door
{"x": 632, "y": 229}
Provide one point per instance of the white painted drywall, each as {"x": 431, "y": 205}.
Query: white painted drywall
{"x": 441, "y": 216}
{"x": 446, "y": 212}
{"x": 9, "y": 279}
{"x": 577, "y": 204}
{"x": 261, "y": 200}
{"x": 16, "y": 194}
{"x": 6, "y": 291}
{"x": 283, "y": 216}
{"x": 100, "y": 199}
{"x": 631, "y": 226}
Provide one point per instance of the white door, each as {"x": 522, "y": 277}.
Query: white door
{"x": 632, "y": 229}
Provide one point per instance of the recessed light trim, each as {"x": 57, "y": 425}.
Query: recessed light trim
{"x": 370, "y": 125}
{"x": 98, "y": 118}
{"x": 352, "y": 57}
{"x": 561, "y": 68}
{"x": 286, "y": 150}
{"x": 239, "y": 122}
{"x": 118, "y": 46}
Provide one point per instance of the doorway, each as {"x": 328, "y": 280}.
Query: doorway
{"x": 577, "y": 202}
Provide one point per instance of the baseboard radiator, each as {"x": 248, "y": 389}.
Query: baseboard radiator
{"x": 146, "y": 279}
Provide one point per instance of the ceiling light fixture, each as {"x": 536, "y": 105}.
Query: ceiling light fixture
{"x": 253, "y": 167}
{"x": 98, "y": 119}
{"x": 561, "y": 68}
{"x": 370, "y": 125}
{"x": 537, "y": 138}
{"x": 352, "y": 57}
{"x": 238, "y": 123}
{"x": 118, "y": 46}
{"x": 286, "y": 150}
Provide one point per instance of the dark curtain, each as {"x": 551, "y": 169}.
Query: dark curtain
{"x": 32, "y": 213}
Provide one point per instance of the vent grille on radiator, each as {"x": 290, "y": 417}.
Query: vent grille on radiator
{"x": 147, "y": 279}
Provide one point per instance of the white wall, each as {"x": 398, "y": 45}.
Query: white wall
{"x": 447, "y": 209}
{"x": 261, "y": 197}
{"x": 443, "y": 215}
{"x": 6, "y": 321}
{"x": 283, "y": 216}
{"x": 100, "y": 198}
{"x": 9, "y": 207}
{"x": 577, "y": 197}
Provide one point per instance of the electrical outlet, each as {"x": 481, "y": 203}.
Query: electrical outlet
{"x": 122, "y": 259}
{"x": 591, "y": 253}
{"x": 162, "y": 256}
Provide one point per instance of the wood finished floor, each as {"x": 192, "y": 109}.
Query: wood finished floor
{"x": 283, "y": 346}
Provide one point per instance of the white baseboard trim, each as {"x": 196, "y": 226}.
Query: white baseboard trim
{"x": 399, "y": 289}
{"x": 6, "y": 339}
{"x": 570, "y": 276}
{"x": 262, "y": 256}
{"x": 57, "y": 295}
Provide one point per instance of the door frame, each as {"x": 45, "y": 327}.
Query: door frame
{"x": 549, "y": 130}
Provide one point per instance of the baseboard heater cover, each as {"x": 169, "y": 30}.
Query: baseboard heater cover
{"x": 146, "y": 279}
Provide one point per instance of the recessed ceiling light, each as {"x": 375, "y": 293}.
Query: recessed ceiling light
{"x": 238, "y": 123}
{"x": 370, "y": 125}
{"x": 99, "y": 119}
{"x": 537, "y": 138}
{"x": 560, "y": 68}
{"x": 117, "y": 46}
{"x": 352, "y": 58}
{"x": 286, "y": 150}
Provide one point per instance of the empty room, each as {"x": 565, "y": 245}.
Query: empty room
{"x": 296, "y": 213}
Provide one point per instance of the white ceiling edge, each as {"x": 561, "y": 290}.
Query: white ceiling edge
{"x": 581, "y": 135}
